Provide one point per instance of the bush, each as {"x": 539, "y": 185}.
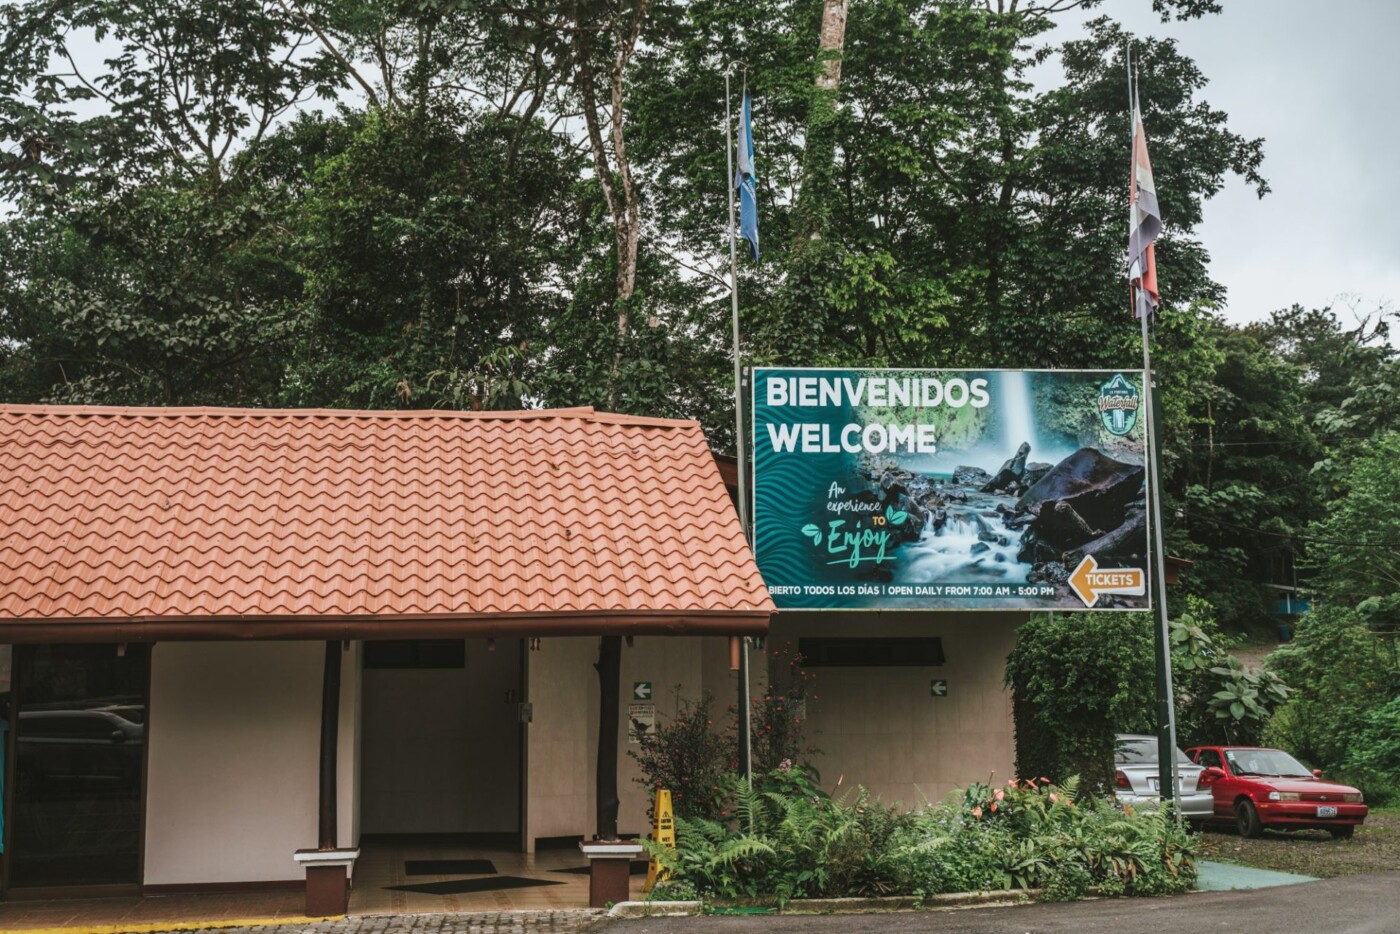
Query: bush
{"x": 1077, "y": 680}
{"x": 792, "y": 841}
{"x": 799, "y": 843}
{"x": 689, "y": 759}
{"x": 1217, "y": 699}
{"x": 776, "y": 718}
{"x": 1342, "y": 717}
{"x": 1037, "y": 835}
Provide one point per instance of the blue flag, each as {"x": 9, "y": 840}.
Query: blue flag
{"x": 744, "y": 179}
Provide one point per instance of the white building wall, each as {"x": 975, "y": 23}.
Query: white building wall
{"x": 232, "y": 769}
{"x": 563, "y": 738}
{"x": 879, "y": 728}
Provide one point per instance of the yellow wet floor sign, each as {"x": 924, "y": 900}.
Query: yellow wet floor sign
{"x": 663, "y": 831}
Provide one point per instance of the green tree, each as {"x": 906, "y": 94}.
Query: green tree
{"x": 435, "y": 287}
{"x": 1078, "y": 679}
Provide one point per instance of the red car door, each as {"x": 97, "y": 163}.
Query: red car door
{"x": 1224, "y": 788}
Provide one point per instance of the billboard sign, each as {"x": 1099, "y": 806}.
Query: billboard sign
{"x": 950, "y": 489}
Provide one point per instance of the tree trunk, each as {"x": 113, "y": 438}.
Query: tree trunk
{"x": 819, "y": 161}
{"x": 611, "y": 164}
{"x": 832, "y": 43}
{"x": 609, "y": 669}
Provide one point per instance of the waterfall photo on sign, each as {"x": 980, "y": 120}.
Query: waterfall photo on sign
{"x": 950, "y": 489}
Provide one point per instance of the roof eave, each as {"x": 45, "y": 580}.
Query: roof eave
{"x": 438, "y": 626}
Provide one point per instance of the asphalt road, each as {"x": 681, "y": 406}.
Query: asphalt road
{"x": 1362, "y": 904}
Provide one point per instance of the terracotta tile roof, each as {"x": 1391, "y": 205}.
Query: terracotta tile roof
{"x": 156, "y": 515}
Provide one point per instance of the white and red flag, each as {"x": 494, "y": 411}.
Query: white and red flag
{"x": 1144, "y": 224}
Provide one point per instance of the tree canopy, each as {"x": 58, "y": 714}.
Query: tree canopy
{"x": 362, "y": 203}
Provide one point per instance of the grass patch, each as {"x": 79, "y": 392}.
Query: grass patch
{"x": 1375, "y": 848}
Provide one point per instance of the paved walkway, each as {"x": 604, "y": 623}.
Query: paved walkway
{"x": 1229, "y": 877}
{"x": 414, "y": 880}
{"x": 567, "y": 921}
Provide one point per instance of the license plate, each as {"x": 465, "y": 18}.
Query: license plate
{"x": 1153, "y": 784}
{"x": 1324, "y": 810}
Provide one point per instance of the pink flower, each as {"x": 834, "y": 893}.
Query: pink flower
{"x": 977, "y": 813}
{"x": 1001, "y": 795}
{"x": 994, "y": 807}
{"x": 1054, "y": 797}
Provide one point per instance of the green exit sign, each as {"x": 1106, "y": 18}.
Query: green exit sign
{"x": 938, "y": 687}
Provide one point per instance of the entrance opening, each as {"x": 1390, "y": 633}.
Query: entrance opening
{"x": 80, "y": 762}
{"x": 441, "y": 739}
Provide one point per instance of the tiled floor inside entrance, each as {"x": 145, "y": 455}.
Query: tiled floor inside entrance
{"x": 390, "y": 878}
{"x": 413, "y": 877}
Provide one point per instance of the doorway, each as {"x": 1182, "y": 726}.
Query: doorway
{"x": 441, "y": 739}
{"x": 77, "y": 779}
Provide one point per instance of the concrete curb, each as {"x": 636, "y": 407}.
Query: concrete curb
{"x": 655, "y": 909}
{"x": 813, "y": 906}
{"x": 833, "y": 906}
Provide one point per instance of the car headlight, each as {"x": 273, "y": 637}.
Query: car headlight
{"x": 1353, "y": 797}
{"x": 1284, "y": 796}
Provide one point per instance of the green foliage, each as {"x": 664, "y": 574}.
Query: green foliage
{"x": 1245, "y": 700}
{"x": 776, "y": 718}
{"x": 1078, "y": 679}
{"x": 1346, "y": 680}
{"x": 687, "y": 757}
{"x": 782, "y": 845}
{"x": 1373, "y": 758}
{"x": 1216, "y": 697}
{"x": 432, "y": 287}
{"x": 1036, "y": 835}
{"x": 1355, "y": 545}
{"x": 168, "y": 294}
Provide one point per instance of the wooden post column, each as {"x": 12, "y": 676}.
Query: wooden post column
{"x": 328, "y": 868}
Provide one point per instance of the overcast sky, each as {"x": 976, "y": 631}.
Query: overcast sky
{"x": 1319, "y": 80}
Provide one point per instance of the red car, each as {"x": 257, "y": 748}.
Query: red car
{"x": 1258, "y": 788}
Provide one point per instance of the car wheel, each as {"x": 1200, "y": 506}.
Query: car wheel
{"x": 1247, "y": 820}
{"x": 1342, "y": 833}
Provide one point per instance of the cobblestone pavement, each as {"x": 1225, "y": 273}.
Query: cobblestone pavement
{"x": 570, "y": 921}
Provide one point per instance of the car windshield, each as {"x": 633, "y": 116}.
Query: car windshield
{"x": 1273, "y": 762}
{"x": 1134, "y": 750}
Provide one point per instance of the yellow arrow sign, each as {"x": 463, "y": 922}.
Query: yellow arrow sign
{"x": 1089, "y": 581}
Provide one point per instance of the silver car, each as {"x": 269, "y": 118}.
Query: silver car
{"x": 1135, "y": 758}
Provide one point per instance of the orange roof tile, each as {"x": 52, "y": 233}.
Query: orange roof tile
{"x": 562, "y": 519}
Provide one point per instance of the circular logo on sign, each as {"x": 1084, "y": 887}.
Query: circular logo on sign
{"x": 1118, "y": 405}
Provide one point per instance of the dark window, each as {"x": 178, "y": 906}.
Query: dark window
{"x": 416, "y": 653}
{"x": 823, "y": 652}
{"x": 78, "y": 807}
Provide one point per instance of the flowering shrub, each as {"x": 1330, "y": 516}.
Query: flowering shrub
{"x": 687, "y": 757}
{"x": 777, "y": 717}
{"x": 1033, "y": 834}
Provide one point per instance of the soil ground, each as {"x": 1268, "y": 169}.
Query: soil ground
{"x": 1375, "y": 848}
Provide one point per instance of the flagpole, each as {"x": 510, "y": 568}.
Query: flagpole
{"x": 745, "y": 727}
{"x": 1168, "y": 769}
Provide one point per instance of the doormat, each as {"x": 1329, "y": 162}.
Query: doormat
{"x": 638, "y": 867}
{"x": 448, "y": 867}
{"x": 466, "y": 886}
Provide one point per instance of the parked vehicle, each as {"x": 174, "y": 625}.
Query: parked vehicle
{"x": 1258, "y": 787}
{"x": 1138, "y": 775}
